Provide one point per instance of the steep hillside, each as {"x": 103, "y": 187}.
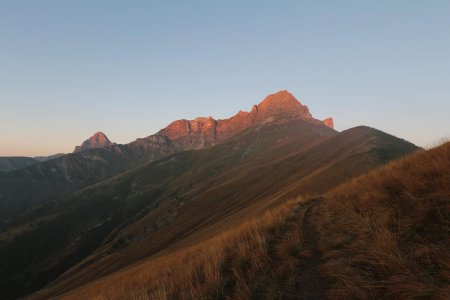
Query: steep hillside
{"x": 50, "y": 180}
{"x": 387, "y": 234}
{"x": 191, "y": 196}
{"x": 384, "y": 235}
{"x": 45, "y": 158}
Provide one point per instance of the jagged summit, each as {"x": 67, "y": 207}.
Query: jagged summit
{"x": 97, "y": 140}
{"x": 203, "y": 131}
{"x": 282, "y": 103}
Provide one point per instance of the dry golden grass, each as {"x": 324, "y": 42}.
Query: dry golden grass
{"x": 257, "y": 257}
{"x": 386, "y": 234}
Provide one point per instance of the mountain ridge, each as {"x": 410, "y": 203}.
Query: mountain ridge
{"x": 63, "y": 175}
{"x": 96, "y": 211}
{"x": 208, "y": 131}
{"x": 12, "y": 163}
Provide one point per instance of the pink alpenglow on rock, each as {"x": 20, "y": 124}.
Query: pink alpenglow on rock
{"x": 201, "y": 132}
{"x": 98, "y": 140}
{"x": 329, "y": 122}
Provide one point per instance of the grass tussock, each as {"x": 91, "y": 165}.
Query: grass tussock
{"x": 387, "y": 234}
{"x": 258, "y": 259}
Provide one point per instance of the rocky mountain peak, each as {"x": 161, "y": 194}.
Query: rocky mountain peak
{"x": 97, "y": 140}
{"x": 329, "y": 122}
{"x": 204, "y": 131}
{"x": 282, "y": 103}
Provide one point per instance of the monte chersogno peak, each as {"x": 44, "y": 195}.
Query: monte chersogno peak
{"x": 282, "y": 103}
{"x": 203, "y": 131}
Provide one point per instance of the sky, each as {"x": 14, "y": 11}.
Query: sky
{"x": 129, "y": 68}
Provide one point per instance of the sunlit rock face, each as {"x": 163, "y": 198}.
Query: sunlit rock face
{"x": 201, "y": 132}
{"x": 329, "y": 122}
{"x": 98, "y": 140}
{"x": 283, "y": 105}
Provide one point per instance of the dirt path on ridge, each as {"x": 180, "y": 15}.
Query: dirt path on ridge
{"x": 310, "y": 285}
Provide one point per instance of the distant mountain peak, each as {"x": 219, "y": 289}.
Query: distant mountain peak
{"x": 97, "y": 140}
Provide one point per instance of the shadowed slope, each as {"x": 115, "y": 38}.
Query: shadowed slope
{"x": 50, "y": 180}
{"x": 12, "y": 163}
{"x": 8, "y": 164}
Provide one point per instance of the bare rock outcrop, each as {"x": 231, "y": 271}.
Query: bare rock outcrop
{"x": 98, "y": 140}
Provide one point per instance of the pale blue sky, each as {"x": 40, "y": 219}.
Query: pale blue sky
{"x": 128, "y": 68}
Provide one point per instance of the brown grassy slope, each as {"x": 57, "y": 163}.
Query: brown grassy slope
{"x": 387, "y": 234}
{"x": 221, "y": 187}
{"x": 259, "y": 258}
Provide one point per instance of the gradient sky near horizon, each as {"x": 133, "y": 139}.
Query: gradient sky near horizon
{"x": 128, "y": 68}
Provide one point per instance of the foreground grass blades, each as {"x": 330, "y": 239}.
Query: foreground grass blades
{"x": 261, "y": 258}
{"x": 387, "y": 234}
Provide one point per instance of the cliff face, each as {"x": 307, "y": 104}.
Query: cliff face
{"x": 201, "y": 132}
